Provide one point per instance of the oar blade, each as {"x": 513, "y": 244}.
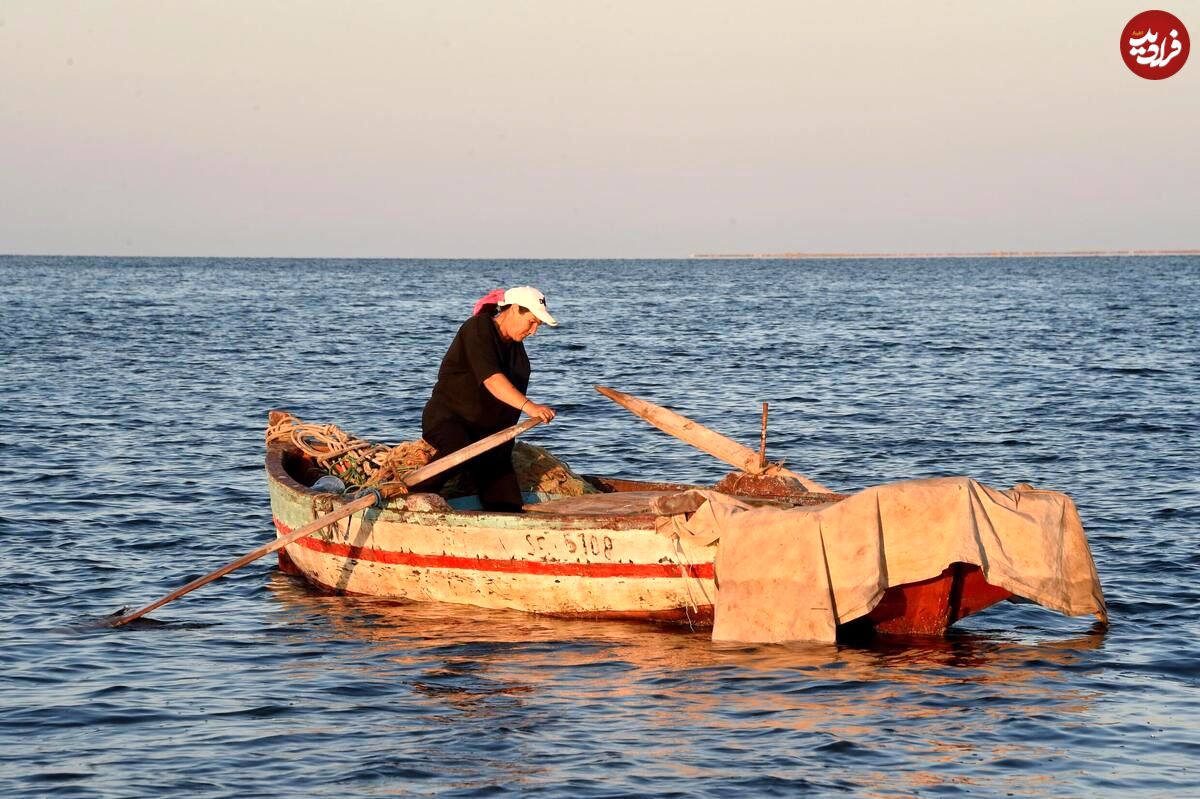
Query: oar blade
{"x": 686, "y": 430}
{"x": 367, "y": 500}
{"x": 702, "y": 438}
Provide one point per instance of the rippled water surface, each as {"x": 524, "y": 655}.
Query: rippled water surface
{"x": 133, "y": 399}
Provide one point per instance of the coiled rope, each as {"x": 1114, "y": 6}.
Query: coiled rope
{"x": 356, "y": 462}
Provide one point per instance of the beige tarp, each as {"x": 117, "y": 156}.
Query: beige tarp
{"x": 795, "y": 574}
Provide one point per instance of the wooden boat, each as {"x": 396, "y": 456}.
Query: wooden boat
{"x": 597, "y": 556}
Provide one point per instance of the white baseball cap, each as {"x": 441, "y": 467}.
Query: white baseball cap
{"x": 531, "y": 300}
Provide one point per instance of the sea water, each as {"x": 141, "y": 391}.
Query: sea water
{"x": 133, "y": 400}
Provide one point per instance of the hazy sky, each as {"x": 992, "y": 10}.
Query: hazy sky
{"x": 570, "y": 128}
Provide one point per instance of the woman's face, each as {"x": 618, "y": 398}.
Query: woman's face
{"x": 517, "y": 324}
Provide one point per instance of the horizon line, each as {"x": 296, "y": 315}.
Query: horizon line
{"x": 692, "y": 256}
{"x": 971, "y": 254}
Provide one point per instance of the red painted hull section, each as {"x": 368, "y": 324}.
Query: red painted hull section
{"x": 930, "y": 606}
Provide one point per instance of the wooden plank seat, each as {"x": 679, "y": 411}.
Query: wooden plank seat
{"x": 618, "y": 503}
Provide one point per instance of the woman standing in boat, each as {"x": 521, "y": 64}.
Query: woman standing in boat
{"x": 481, "y": 389}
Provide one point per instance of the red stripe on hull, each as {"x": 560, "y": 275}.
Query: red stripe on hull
{"x": 700, "y": 571}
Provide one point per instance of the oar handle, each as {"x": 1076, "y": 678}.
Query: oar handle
{"x": 386, "y": 492}
{"x": 420, "y": 475}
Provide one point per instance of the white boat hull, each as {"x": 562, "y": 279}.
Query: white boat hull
{"x": 577, "y": 565}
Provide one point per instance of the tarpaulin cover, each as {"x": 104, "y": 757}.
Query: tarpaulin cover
{"x": 795, "y": 574}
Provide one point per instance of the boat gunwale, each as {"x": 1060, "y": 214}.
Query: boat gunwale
{"x": 456, "y": 517}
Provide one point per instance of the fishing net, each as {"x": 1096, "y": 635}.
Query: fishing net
{"x": 360, "y": 463}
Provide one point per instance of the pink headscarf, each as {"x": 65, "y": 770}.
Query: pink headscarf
{"x": 492, "y": 299}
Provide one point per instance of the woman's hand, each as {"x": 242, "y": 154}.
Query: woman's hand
{"x": 543, "y": 412}
{"x": 502, "y": 389}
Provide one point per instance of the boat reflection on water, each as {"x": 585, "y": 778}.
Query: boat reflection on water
{"x": 902, "y": 714}
{"x": 386, "y": 623}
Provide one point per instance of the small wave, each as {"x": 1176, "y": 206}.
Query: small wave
{"x": 1129, "y": 370}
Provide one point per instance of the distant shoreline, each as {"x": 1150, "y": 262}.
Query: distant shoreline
{"x": 821, "y": 256}
{"x": 781, "y": 256}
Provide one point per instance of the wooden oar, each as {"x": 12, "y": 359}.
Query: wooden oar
{"x": 703, "y": 438}
{"x": 382, "y": 494}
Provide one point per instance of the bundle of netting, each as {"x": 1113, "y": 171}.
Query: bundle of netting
{"x": 355, "y": 461}
{"x": 362, "y": 464}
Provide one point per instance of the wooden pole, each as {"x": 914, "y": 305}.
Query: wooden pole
{"x": 762, "y": 441}
{"x": 434, "y": 468}
{"x": 384, "y": 493}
